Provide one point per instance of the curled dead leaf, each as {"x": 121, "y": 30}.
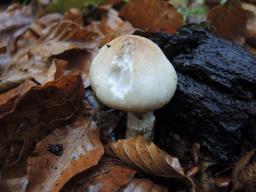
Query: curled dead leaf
{"x": 34, "y": 115}
{"x": 147, "y": 157}
{"x": 152, "y": 15}
{"x": 74, "y": 15}
{"x": 108, "y": 176}
{"x": 9, "y": 98}
{"x": 110, "y": 26}
{"x": 222, "y": 182}
{"x": 143, "y": 185}
{"x": 14, "y": 17}
{"x": 33, "y": 59}
{"x": 234, "y": 21}
{"x": 244, "y": 173}
{"x": 56, "y": 70}
{"x": 14, "y": 20}
{"x": 82, "y": 149}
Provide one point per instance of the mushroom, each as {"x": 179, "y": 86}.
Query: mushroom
{"x": 132, "y": 74}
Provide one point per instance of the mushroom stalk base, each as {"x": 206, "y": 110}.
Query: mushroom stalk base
{"x": 140, "y": 124}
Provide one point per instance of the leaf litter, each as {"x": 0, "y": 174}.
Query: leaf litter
{"x": 53, "y": 133}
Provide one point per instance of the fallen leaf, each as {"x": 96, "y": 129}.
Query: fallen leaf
{"x": 231, "y": 19}
{"x": 35, "y": 115}
{"x": 222, "y": 182}
{"x": 110, "y": 26}
{"x": 16, "y": 184}
{"x": 9, "y": 98}
{"x": 33, "y": 60}
{"x": 49, "y": 19}
{"x": 108, "y": 176}
{"x": 14, "y": 18}
{"x": 251, "y": 24}
{"x": 192, "y": 172}
{"x": 74, "y": 15}
{"x": 244, "y": 173}
{"x": 78, "y": 62}
{"x": 56, "y": 70}
{"x": 147, "y": 157}
{"x": 82, "y": 149}
{"x": 152, "y": 15}
{"x": 143, "y": 185}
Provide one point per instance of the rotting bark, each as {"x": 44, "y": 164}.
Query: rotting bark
{"x": 215, "y": 101}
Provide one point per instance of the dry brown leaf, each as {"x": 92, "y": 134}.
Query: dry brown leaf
{"x": 9, "y": 98}
{"x": 147, "y": 157}
{"x": 14, "y": 18}
{"x": 108, "y": 176}
{"x": 82, "y": 149}
{"x": 233, "y": 21}
{"x": 16, "y": 184}
{"x": 152, "y": 15}
{"x": 143, "y": 185}
{"x": 192, "y": 172}
{"x": 56, "y": 70}
{"x": 74, "y": 15}
{"x": 222, "y": 182}
{"x": 110, "y": 26}
{"x": 78, "y": 62}
{"x": 36, "y": 114}
{"x": 33, "y": 60}
{"x": 244, "y": 173}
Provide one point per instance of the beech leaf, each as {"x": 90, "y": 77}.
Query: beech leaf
{"x": 82, "y": 149}
{"x": 108, "y": 176}
{"x": 33, "y": 60}
{"x": 234, "y": 21}
{"x": 152, "y": 15}
{"x": 9, "y": 98}
{"x": 14, "y": 18}
{"x": 147, "y": 157}
{"x": 33, "y": 115}
{"x": 143, "y": 185}
{"x": 111, "y": 26}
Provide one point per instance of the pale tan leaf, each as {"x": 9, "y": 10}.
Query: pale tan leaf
{"x": 33, "y": 60}
{"x": 56, "y": 70}
{"x": 111, "y": 26}
{"x": 14, "y": 20}
{"x": 143, "y": 185}
{"x": 82, "y": 149}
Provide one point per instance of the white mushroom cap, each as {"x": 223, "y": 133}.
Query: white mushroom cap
{"x": 131, "y": 73}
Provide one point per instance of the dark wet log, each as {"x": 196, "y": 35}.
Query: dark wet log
{"x": 215, "y": 101}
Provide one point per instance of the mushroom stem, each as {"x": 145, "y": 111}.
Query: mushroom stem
{"x": 140, "y": 124}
